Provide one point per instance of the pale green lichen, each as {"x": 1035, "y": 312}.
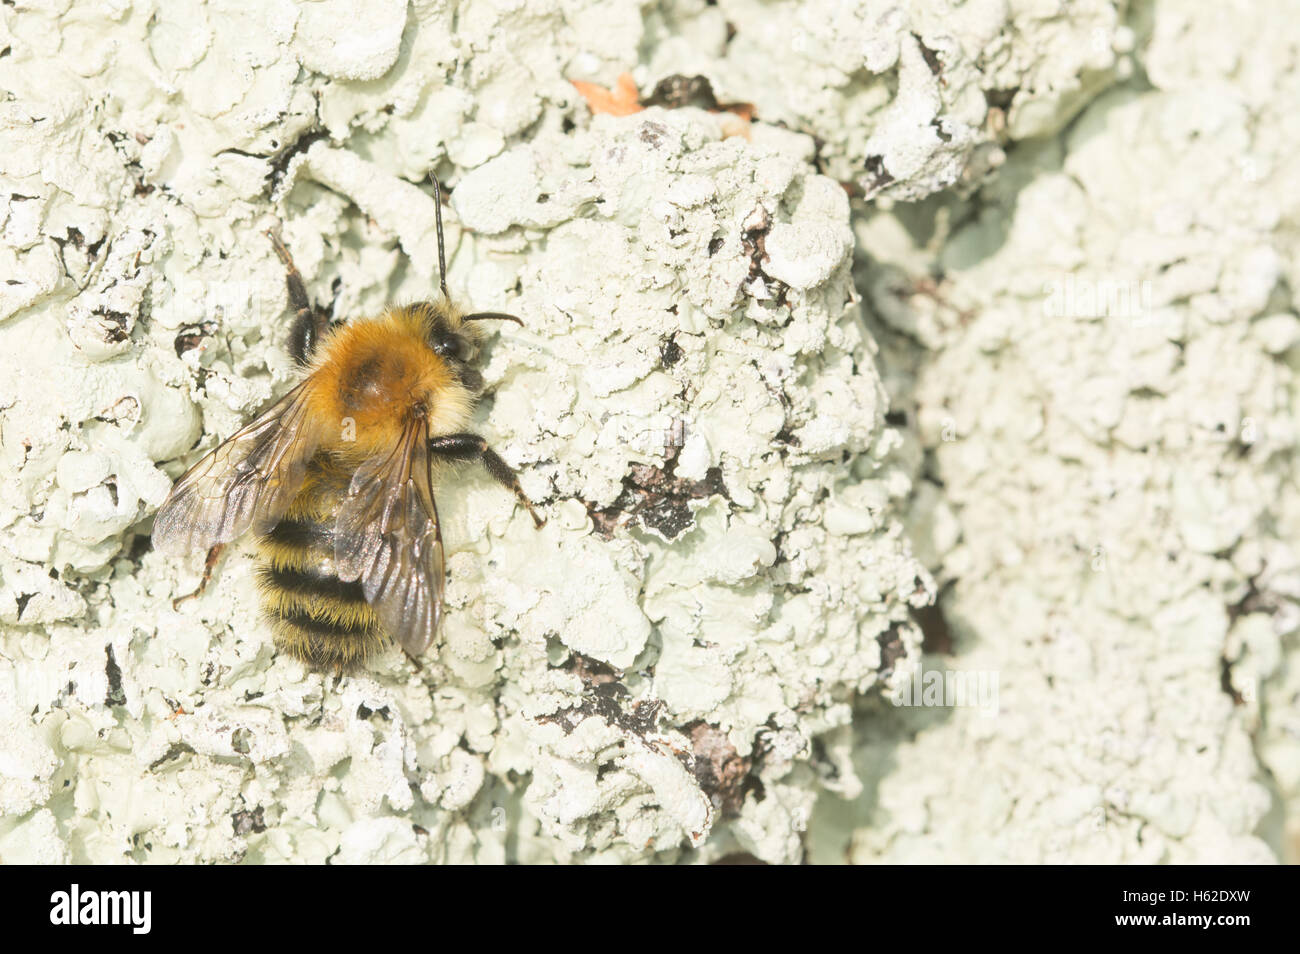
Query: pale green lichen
{"x": 689, "y": 660}
{"x": 685, "y": 578}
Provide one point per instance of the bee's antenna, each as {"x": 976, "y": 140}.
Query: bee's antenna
{"x": 492, "y": 316}
{"x": 442, "y": 255}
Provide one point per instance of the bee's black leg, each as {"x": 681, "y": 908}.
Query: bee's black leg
{"x": 305, "y": 333}
{"x": 214, "y": 555}
{"x": 473, "y": 447}
{"x": 309, "y": 322}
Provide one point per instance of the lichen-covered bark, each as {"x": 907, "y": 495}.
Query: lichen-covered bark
{"x": 770, "y": 402}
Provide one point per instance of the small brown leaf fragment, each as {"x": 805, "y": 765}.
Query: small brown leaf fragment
{"x": 622, "y": 100}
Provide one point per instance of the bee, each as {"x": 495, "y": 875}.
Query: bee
{"x": 336, "y": 479}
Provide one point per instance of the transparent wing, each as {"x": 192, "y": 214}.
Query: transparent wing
{"x": 386, "y": 535}
{"x": 249, "y": 481}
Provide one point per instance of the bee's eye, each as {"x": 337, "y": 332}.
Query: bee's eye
{"x": 453, "y": 346}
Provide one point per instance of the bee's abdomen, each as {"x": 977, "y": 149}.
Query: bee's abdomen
{"x": 318, "y": 618}
{"x": 313, "y": 582}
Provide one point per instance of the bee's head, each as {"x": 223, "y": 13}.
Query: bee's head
{"x": 447, "y": 334}
{"x": 454, "y": 338}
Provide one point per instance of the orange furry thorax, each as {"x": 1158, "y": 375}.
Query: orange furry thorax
{"x": 371, "y": 374}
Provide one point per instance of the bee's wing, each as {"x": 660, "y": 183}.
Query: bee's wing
{"x": 386, "y": 535}
{"x": 249, "y": 481}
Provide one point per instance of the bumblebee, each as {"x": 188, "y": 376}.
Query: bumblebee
{"x": 336, "y": 478}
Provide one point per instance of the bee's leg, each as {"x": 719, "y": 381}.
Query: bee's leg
{"x": 473, "y": 447}
{"x": 213, "y": 556}
{"x": 309, "y": 322}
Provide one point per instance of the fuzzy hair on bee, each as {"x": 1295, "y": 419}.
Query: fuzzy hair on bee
{"x": 336, "y": 479}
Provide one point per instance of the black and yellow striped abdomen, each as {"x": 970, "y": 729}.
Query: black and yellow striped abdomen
{"x": 317, "y": 617}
